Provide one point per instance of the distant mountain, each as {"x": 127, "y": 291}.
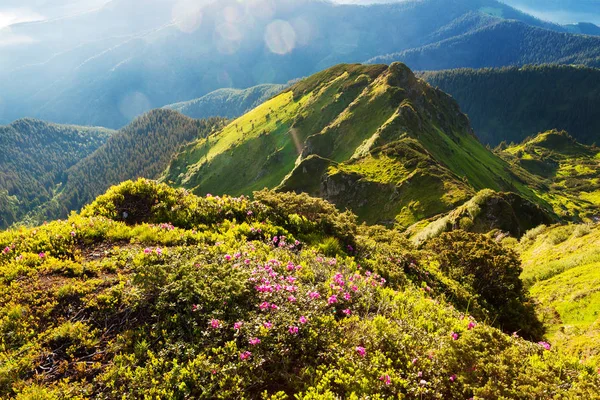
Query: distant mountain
{"x": 142, "y": 149}
{"x": 227, "y": 103}
{"x": 560, "y": 11}
{"x": 34, "y": 158}
{"x": 509, "y": 104}
{"x": 110, "y": 65}
{"x": 584, "y": 28}
{"x": 374, "y": 139}
{"x": 502, "y": 43}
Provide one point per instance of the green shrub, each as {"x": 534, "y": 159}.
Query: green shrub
{"x": 492, "y": 272}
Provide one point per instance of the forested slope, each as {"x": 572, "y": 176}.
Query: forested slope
{"x": 34, "y": 158}
{"x": 510, "y": 104}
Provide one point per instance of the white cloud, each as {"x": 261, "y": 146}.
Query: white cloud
{"x": 16, "y": 15}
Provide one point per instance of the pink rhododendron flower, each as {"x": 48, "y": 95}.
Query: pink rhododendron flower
{"x": 195, "y": 307}
{"x": 347, "y": 311}
{"x": 452, "y": 378}
{"x": 303, "y": 320}
{"x": 347, "y": 296}
{"x": 471, "y": 325}
{"x": 454, "y": 336}
{"x": 268, "y": 325}
{"x": 314, "y": 295}
{"x": 414, "y": 360}
{"x": 215, "y": 323}
{"x": 238, "y": 325}
{"x": 264, "y": 305}
{"x": 159, "y": 251}
{"x": 42, "y": 255}
{"x": 545, "y": 345}
{"x": 245, "y": 355}
{"x": 73, "y": 233}
{"x": 227, "y": 257}
{"x": 293, "y": 330}
{"x": 274, "y": 307}
{"x": 386, "y": 379}
{"x": 6, "y": 250}
{"x": 332, "y": 299}
{"x": 254, "y": 341}
{"x": 354, "y": 288}
{"x": 361, "y": 351}
{"x": 291, "y": 299}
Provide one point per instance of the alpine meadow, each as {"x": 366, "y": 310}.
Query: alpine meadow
{"x": 300, "y": 199}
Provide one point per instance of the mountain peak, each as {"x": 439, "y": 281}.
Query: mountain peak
{"x": 369, "y": 138}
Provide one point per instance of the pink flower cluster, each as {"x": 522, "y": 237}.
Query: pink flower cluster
{"x": 167, "y": 227}
{"x": 158, "y": 251}
{"x": 361, "y": 351}
{"x": 545, "y": 345}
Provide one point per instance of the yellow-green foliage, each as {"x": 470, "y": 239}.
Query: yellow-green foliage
{"x": 239, "y": 302}
{"x": 561, "y": 265}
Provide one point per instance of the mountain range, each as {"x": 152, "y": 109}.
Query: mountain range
{"x": 63, "y": 70}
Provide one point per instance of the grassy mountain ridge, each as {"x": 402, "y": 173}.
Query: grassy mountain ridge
{"x": 509, "y": 104}
{"x": 280, "y": 297}
{"x": 34, "y": 158}
{"x": 372, "y": 138}
{"x": 566, "y": 169}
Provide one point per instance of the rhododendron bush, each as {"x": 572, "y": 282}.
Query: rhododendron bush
{"x": 153, "y": 292}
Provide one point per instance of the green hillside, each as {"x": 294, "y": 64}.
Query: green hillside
{"x": 509, "y": 104}
{"x": 278, "y": 298}
{"x": 561, "y": 266}
{"x": 566, "y": 170}
{"x": 34, "y": 158}
{"x": 227, "y": 103}
{"x": 371, "y": 138}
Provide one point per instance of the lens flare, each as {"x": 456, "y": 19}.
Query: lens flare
{"x": 280, "y": 37}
